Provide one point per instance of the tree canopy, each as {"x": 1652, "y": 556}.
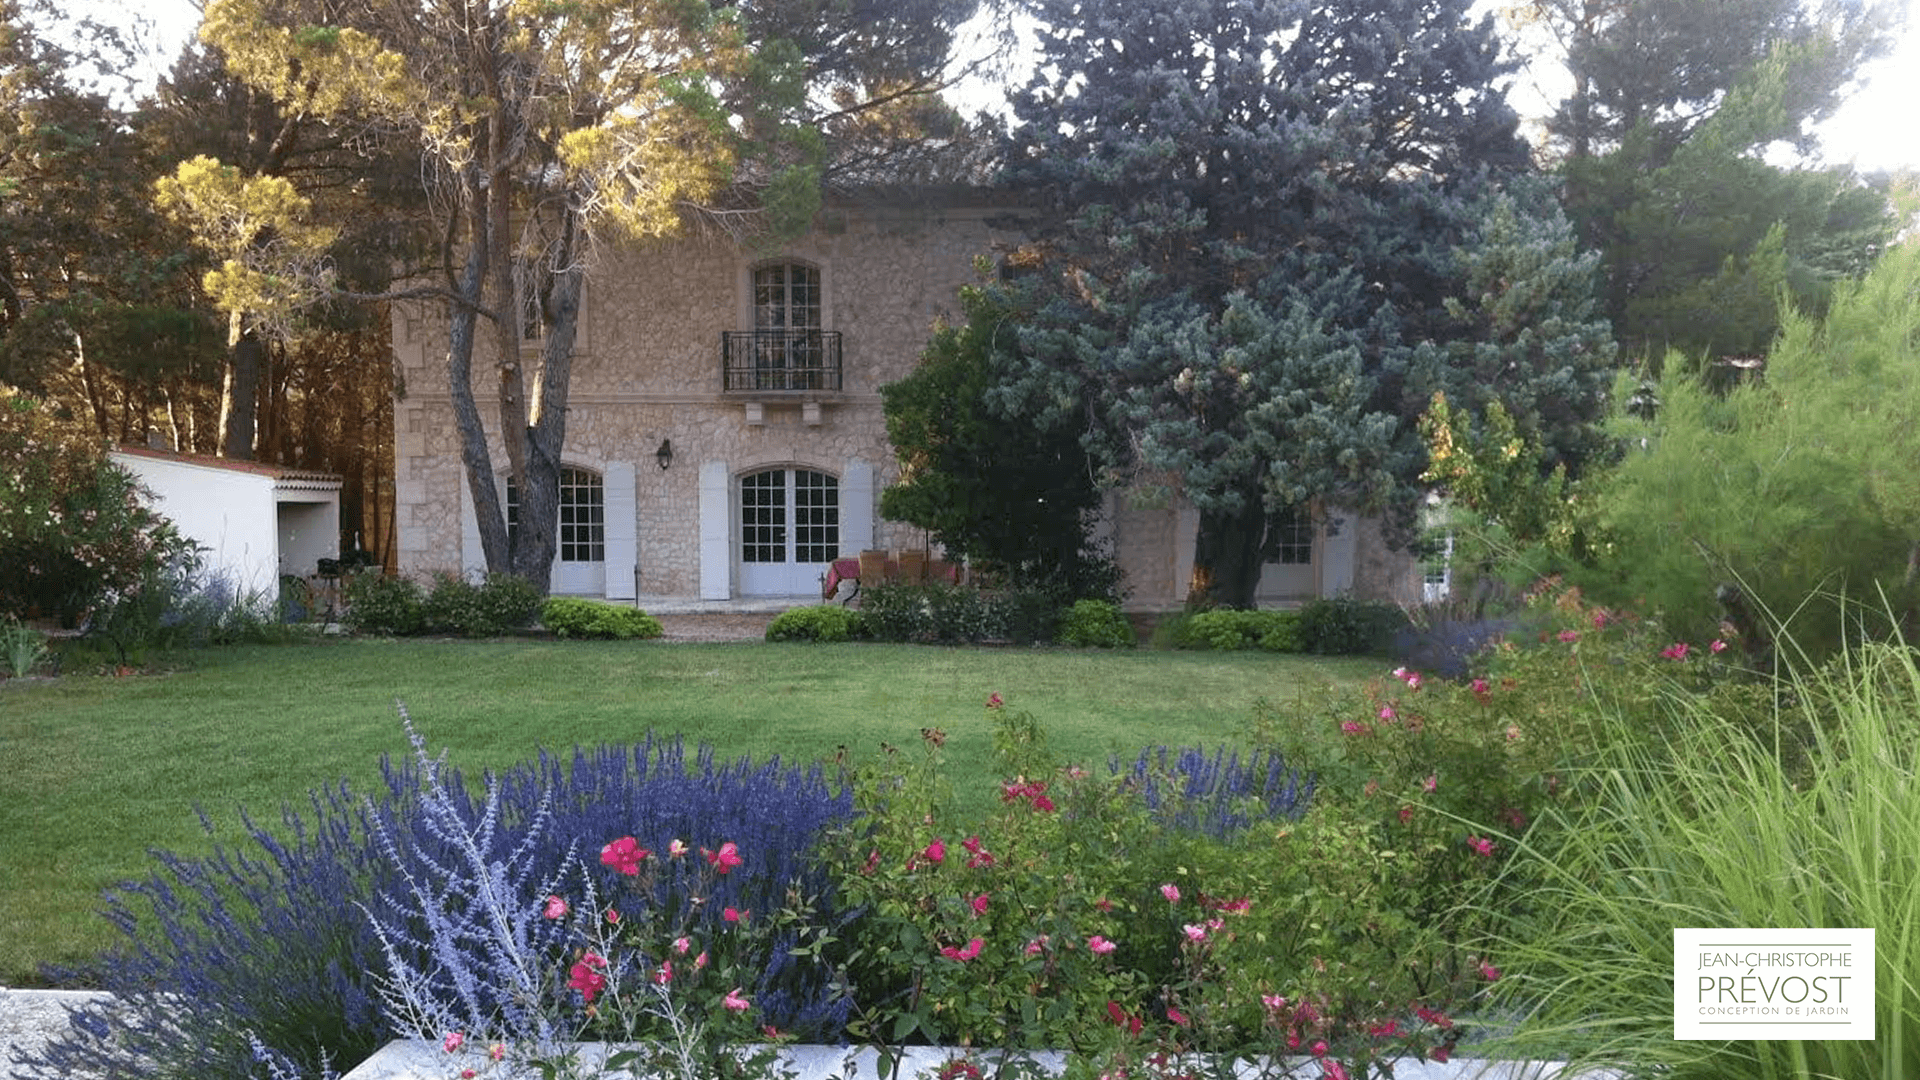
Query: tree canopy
{"x": 1283, "y": 226}
{"x": 1008, "y": 494}
{"x": 546, "y": 125}
{"x": 1794, "y": 492}
{"x": 1663, "y": 142}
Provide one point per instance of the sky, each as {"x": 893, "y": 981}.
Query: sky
{"x": 1878, "y": 127}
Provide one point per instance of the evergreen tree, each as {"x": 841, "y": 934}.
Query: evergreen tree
{"x": 1007, "y": 494}
{"x": 1283, "y": 226}
{"x": 1663, "y": 142}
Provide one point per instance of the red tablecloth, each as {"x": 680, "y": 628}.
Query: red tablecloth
{"x": 849, "y": 570}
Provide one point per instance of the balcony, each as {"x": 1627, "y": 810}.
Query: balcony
{"x": 780, "y": 362}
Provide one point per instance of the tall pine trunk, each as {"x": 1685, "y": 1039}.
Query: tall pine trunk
{"x": 240, "y": 394}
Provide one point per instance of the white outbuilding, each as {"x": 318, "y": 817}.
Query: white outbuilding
{"x": 255, "y": 522}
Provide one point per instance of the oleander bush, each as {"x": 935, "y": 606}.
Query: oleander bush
{"x": 578, "y": 617}
{"x": 1097, "y": 623}
{"x": 379, "y": 604}
{"x": 825, "y": 623}
{"x": 277, "y": 939}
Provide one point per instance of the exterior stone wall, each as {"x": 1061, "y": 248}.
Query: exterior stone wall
{"x": 648, "y": 370}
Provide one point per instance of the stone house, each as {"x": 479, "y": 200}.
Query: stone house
{"x": 725, "y": 438}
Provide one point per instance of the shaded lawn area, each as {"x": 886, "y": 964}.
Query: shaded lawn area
{"x": 94, "y": 771}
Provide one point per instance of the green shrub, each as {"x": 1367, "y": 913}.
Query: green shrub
{"x": 929, "y": 614}
{"x": 499, "y": 603}
{"x": 823, "y": 623}
{"x": 1029, "y": 615}
{"x": 1097, "y": 623}
{"x": 1343, "y": 626}
{"x": 578, "y": 617}
{"x": 378, "y": 604}
{"x": 1229, "y": 630}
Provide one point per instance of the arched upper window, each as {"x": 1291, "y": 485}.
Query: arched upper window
{"x": 786, "y": 296}
{"x": 788, "y": 347}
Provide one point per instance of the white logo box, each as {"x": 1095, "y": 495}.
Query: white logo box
{"x": 1772, "y": 984}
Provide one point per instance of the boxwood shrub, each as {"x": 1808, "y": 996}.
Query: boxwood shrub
{"x": 822, "y": 623}
{"x": 1097, "y": 623}
{"x": 578, "y": 617}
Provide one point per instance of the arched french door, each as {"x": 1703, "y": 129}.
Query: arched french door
{"x": 580, "y": 555}
{"x": 789, "y": 531}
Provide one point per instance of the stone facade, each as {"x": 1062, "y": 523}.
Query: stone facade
{"x": 648, "y": 371}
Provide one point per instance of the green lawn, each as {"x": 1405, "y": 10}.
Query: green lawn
{"x": 94, "y": 771}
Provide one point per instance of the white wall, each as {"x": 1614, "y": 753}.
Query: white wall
{"x": 230, "y": 514}
{"x": 249, "y": 532}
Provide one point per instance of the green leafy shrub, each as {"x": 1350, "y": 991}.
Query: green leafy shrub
{"x": 1343, "y": 626}
{"x": 1097, "y": 623}
{"x": 929, "y": 614}
{"x": 1228, "y": 630}
{"x": 578, "y": 617}
{"x": 378, "y": 604}
{"x": 499, "y": 603}
{"x": 1029, "y": 615}
{"x": 822, "y": 623}
{"x": 75, "y": 534}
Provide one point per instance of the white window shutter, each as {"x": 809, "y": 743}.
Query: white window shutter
{"x": 623, "y": 532}
{"x": 716, "y": 545}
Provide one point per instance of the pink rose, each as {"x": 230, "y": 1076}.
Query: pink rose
{"x": 1100, "y": 946}
{"x": 1171, "y": 892}
{"x": 624, "y": 855}
{"x": 556, "y": 908}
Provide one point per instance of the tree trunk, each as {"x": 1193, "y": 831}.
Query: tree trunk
{"x": 1226, "y": 558}
{"x": 487, "y": 513}
{"x": 239, "y": 395}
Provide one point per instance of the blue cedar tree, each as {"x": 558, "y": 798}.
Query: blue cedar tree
{"x": 1271, "y": 221}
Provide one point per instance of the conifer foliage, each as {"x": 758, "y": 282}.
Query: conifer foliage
{"x": 1275, "y": 218}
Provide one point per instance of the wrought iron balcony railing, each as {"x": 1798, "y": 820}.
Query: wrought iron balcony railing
{"x": 780, "y": 360}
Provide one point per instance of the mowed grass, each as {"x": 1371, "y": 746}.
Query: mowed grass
{"x": 97, "y": 771}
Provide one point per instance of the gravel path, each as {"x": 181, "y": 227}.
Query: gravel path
{"x": 715, "y": 627}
